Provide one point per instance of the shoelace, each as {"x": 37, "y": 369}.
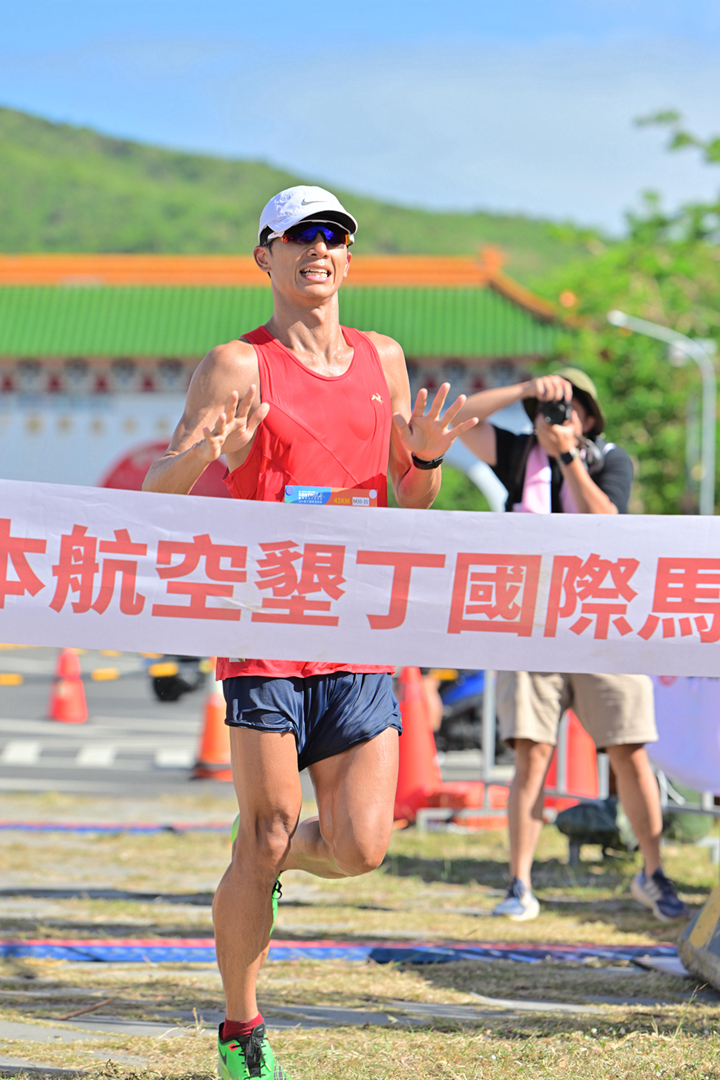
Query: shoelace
{"x": 516, "y": 889}
{"x": 252, "y": 1049}
{"x": 663, "y": 883}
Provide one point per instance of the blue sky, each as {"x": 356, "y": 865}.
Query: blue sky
{"x": 515, "y": 107}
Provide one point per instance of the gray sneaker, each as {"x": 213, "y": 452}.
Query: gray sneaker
{"x": 519, "y": 903}
{"x": 657, "y": 892}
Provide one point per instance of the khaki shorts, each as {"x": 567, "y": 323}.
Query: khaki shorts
{"x": 613, "y": 709}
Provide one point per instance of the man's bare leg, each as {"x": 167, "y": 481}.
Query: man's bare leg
{"x": 639, "y": 795}
{"x": 269, "y": 794}
{"x": 355, "y": 793}
{"x": 525, "y": 805}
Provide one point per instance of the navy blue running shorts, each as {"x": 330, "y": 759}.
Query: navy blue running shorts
{"x": 326, "y": 713}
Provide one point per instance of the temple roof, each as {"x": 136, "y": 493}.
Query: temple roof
{"x": 181, "y": 305}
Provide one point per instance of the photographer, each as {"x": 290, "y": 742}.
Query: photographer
{"x": 565, "y": 466}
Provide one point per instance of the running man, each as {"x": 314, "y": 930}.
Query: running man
{"x": 303, "y": 401}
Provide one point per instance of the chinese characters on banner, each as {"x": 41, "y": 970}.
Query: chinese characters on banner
{"x": 133, "y": 571}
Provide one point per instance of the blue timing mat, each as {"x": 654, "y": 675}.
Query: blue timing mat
{"x": 202, "y": 950}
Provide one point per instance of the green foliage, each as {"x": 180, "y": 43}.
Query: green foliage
{"x": 64, "y": 188}
{"x": 662, "y": 116}
{"x": 665, "y": 270}
{"x": 456, "y": 493}
{"x": 687, "y": 828}
{"x": 680, "y": 138}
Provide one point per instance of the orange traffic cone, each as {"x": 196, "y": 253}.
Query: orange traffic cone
{"x": 581, "y": 779}
{"x": 67, "y": 697}
{"x": 68, "y": 665}
{"x": 582, "y": 771}
{"x": 418, "y": 768}
{"x": 213, "y": 760}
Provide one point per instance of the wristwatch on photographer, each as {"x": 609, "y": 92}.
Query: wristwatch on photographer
{"x": 568, "y": 456}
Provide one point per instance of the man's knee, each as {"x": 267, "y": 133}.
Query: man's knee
{"x": 531, "y": 757}
{"x": 359, "y": 854}
{"x": 631, "y": 756}
{"x": 264, "y": 838}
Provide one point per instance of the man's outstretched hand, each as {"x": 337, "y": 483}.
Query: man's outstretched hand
{"x": 427, "y": 435}
{"x": 234, "y": 427}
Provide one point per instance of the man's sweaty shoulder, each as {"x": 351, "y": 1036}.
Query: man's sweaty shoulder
{"x": 228, "y": 367}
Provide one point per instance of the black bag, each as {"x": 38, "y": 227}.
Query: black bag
{"x": 600, "y": 821}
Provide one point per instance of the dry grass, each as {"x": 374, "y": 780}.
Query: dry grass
{"x": 404, "y": 1055}
{"x": 433, "y": 887}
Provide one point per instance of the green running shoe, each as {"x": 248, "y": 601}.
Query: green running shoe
{"x": 240, "y": 1059}
{"x": 277, "y": 887}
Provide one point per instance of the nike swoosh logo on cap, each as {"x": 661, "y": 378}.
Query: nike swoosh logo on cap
{"x": 309, "y": 202}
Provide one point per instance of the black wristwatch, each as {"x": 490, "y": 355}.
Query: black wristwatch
{"x": 569, "y": 456}
{"x": 421, "y": 463}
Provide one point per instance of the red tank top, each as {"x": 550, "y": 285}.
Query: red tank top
{"x": 329, "y": 431}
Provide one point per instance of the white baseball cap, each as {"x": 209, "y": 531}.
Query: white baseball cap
{"x": 295, "y": 204}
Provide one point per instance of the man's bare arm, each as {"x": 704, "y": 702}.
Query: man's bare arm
{"x": 414, "y": 432}
{"x": 557, "y": 439}
{"x": 588, "y": 497}
{"x": 481, "y": 439}
{"x": 222, "y": 413}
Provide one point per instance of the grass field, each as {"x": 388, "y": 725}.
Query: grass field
{"x": 548, "y": 1019}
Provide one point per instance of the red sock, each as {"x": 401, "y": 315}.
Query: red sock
{"x": 239, "y": 1029}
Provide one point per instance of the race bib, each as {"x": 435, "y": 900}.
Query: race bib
{"x": 326, "y": 496}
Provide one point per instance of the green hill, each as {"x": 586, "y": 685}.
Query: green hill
{"x": 66, "y": 188}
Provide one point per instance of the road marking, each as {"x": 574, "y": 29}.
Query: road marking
{"x": 130, "y": 728}
{"x": 97, "y": 756}
{"x": 104, "y": 674}
{"x": 121, "y": 727}
{"x": 20, "y": 752}
{"x": 90, "y": 787}
{"x": 175, "y": 757}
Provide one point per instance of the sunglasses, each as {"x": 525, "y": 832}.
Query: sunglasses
{"x": 333, "y": 235}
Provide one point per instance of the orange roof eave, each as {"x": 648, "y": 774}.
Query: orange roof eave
{"x": 139, "y": 270}
{"x": 394, "y": 271}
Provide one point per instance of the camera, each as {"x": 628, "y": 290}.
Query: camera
{"x": 555, "y": 412}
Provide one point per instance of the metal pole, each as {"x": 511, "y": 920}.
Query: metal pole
{"x": 488, "y": 733}
{"x": 707, "y": 482}
{"x": 603, "y": 768}
{"x": 561, "y": 755}
{"x": 692, "y": 442}
{"x": 701, "y": 355}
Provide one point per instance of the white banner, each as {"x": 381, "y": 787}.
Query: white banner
{"x": 96, "y": 568}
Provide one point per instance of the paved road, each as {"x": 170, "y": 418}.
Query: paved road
{"x": 132, "y": 744}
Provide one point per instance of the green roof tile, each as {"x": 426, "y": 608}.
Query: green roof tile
{"x": 186, "y": 322}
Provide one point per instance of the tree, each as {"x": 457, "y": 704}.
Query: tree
{"x": 666, "y": 269}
